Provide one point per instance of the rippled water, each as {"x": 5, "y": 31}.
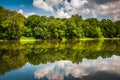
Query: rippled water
{"x": 55, "y": 60}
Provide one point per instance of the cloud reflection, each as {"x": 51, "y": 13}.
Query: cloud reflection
{"x": 64, "y": 68}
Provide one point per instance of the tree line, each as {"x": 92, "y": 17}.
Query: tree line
{"x": 14, "y": 25}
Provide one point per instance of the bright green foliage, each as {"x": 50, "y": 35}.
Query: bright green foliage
{"x": 74, "y": 27}
{"x": 92, "y": 28}
{"x": 36, "y": 27}
{"x": 99, "y": 32}
{"x": 27, "y": 31}
{"x": 71, "y": 28}
{"x": 32, "y": 22}
{"x": 56, "y": 28}
{"x": 4, "y": 14}
{"x": 14, "y": 27}
{"x": 78, "y": 22}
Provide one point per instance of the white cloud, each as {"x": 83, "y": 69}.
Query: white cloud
{"x": 110, "y": 10}
{"x": 66, "y": 9}
{"x": 104, "y": 6}
{"x": 42, "y": 5}
{"x": 78, "y": 3}
{"x": 20, "y": 11}
{"x": 61, "y": 14}
{"x": 53, "y": 2}
{"x": 59, "y": 69}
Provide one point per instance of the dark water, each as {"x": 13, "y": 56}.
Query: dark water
{"x": 54, "y": 60}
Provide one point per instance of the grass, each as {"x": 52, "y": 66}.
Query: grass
{"x": 24, "y": 40}
{"x": 99, "y": 39}
{"x": 109, "y": 38}
{"x": 86, "y": 39}
{"x": 32, "y": 39}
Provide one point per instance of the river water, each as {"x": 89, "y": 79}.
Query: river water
{"x": 57, "y": 60}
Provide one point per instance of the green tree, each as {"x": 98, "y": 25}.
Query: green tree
{"x": 14, "y": 27}
{"x": 4, "y": 14}
{"x": 108, "y": 28}
{"x": 32, "y": 22}
{"x": 99, "y": 32}
{"x": 92, "y": 28}
{"x": 79, "y": 29}
{"x": 57, "y": 28}
{"x": 117, "y": 27}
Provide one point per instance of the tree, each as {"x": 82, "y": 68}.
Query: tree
{"x": 89, "y": 30}
{"x": 79, "y": 29}
{"x": 92, "y": 28}
{"x": 71, "y": 28}
{"x": 108, "y": 28}
{"x": 117, "y": 27}
{"x": 32, "y": 22}
{"x": 4, "y": 14}
{"x": 14, "y": 27}
{"x": 54, "y": 27}
{"x": 99, "y": 33}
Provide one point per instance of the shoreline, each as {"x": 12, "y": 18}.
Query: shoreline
{"x": 60, "y": 39}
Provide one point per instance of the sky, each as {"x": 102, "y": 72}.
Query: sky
{"x": 66, "y": 8}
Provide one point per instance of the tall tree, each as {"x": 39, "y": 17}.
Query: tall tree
{"x": 14, "y": 27}
{"x": 4, "y": 14}
{"x": 93, "y": 28}
{"x": 32, "y": 22}
{"x": 117, "y": 27}
{"x": 108, "y": 28}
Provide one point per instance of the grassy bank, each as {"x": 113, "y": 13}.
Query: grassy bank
{"x": 99, "y": 39}
{"x": 32, "y": 39}
{"x": 24, "y": 40}
{"x": 27, "y": 38}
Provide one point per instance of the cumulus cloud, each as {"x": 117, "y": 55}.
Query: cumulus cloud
{"x": 20, "y": 11}
{"x": 78, "y": 3}
{"x": 67, "y": 8}
{"x": 60, "y": 13}
{"x": 59, "y": 69}
{"x": 110, "y": 10}
{"x": 42, "y": 5}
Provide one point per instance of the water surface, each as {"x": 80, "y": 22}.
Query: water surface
{"x": 56, "y": 60}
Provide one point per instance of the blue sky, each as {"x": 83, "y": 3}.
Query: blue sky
{"x": 66, "y": 8}
{"x": 25, "y": 5}
{"x": 17, "y": 4}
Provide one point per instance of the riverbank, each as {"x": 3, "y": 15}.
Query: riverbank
{"x": 27, "y": 39}
{"x": 99, "y": 39}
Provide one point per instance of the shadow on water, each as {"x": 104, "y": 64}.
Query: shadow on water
{"x": 14, "y": 55}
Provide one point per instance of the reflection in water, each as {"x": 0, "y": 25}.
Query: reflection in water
{"x": 68, "y": 60}
{"x": 87, "y": 69}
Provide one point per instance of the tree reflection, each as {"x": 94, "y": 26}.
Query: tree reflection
{"x": 14, "y": 55}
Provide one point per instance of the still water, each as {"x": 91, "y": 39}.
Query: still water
{"x": 56, "y": 60}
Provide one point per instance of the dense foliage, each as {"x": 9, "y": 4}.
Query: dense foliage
{"x": 13, "y": 26}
